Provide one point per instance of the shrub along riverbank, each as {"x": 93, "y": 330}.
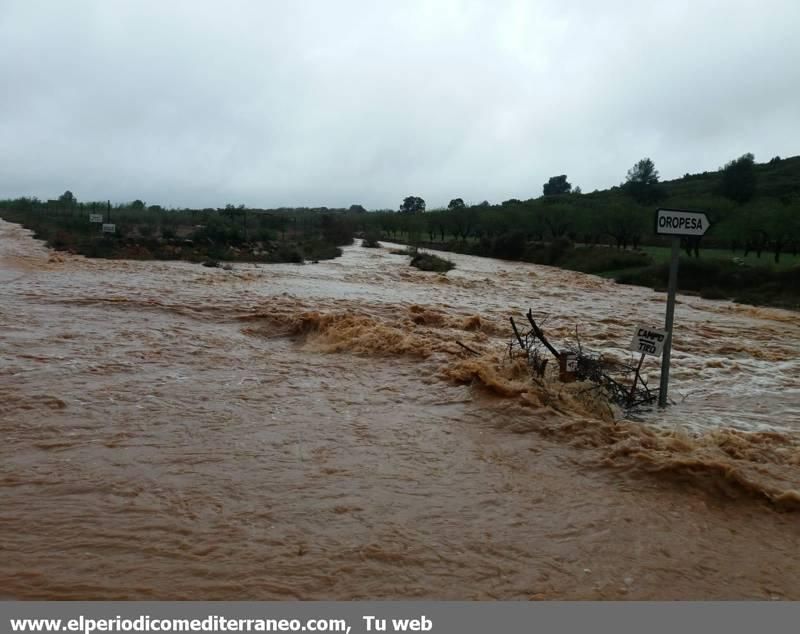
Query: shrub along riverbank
{"x": 719, "y": 279}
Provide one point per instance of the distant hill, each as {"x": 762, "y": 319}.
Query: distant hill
{"x": 777, "y": 178}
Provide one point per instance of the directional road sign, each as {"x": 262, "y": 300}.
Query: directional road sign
{"x": 681, "y": 222}
{"x": 676, "y": 223}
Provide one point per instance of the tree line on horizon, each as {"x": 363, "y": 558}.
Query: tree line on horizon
{"x": 752, "y": 207}
{"x": 737, "y": 183}
{"x": 745, "y": 216}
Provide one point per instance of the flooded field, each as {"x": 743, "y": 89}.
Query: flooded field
{"x": 315, "y": 432}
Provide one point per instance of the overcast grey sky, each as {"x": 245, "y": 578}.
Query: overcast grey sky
{"x": 333, "y": 102}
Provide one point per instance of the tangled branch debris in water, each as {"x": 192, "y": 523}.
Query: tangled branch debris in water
{"x": 622, "y": 382}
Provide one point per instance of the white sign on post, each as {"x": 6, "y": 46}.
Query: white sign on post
{"x": 680, "y": 222}
{"x": 95, "y": 217}
{"x": 676, "y": 223}
{"x": 648, "y": 341}
{"x": 109, "y": 228}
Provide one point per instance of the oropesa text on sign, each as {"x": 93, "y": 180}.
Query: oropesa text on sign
{"x": 677, "y": 222}
{"x": 680, "y": 223}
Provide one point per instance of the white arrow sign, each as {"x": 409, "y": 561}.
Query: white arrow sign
{"x": 678, "y": 222}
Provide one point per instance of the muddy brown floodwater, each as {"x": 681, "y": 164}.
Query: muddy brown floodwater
{"x": 314, "y": 432}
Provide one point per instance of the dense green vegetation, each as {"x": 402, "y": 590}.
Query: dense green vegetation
{"x": 198, "y": 235}
{"x": 754, "y": 209}
{"x": 720, "y": 279}
{"x": 765, "y": 222}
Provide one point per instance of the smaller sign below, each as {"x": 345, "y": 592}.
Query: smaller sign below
{"x": 680, "y": 222}
{"x": 95, "y": 217}
{"x": 648, "y": 341}
{"x": 109, "y": 228}
{"x": 568, "y": 366}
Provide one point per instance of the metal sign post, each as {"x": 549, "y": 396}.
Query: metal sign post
{"x": 671, "y": 289}
{"x": 675, "y": 223}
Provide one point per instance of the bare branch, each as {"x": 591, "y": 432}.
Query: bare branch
{"x": 467, "y": 348}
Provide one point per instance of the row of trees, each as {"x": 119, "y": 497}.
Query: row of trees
{"x": 621, "y": 216}
{"x": 761, "y": 225}
{"x": 744, "y": 217}
{"x": 738, "y": 183}
{"x": 65, "y": 223}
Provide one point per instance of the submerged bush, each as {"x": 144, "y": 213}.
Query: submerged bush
{"x": 370, "y": 240}
{"x": 430, "y": 262}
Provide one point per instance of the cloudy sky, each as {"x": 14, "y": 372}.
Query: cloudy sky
{"x": 334, "y": 102}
